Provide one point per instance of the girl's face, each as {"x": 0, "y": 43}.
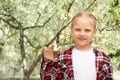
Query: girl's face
{"x": 83, "y": 31}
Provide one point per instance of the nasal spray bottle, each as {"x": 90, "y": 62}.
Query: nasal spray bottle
{"x": 55, "y": 52}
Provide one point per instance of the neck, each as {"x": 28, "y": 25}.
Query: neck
{"x": 83, "y": 48}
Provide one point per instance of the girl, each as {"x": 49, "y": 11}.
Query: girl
{"x": 81, "y": 62}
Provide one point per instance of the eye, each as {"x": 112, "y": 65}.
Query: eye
{"x": 87, "y": 30}
{"x": 77, "y": 29}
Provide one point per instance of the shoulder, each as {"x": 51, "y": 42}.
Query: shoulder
{"x": 101, "y": 56}
{"x": 65, "y": 58}
{"x": 66, "y": 54}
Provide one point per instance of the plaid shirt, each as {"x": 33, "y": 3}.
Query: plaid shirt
{"x": 62, "y": 69}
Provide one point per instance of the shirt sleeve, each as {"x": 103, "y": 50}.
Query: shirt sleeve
{"x": 50, "y": 70}
{"x": 107, "y": 69}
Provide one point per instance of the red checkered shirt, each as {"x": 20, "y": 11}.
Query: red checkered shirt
{"x": 62, "y": 69}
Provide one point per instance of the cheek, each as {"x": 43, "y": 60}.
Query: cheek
{"x": 74, "y": 34}
{"x": 91, "y": 36}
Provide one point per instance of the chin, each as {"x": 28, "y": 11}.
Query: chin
{"x": 81, "y": 44}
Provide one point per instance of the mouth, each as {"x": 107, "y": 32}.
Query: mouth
{"x": 82, "y": 39}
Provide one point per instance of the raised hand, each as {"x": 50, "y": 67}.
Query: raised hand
{"x": 51, "y": 52}
{"x": 48, "y": 52}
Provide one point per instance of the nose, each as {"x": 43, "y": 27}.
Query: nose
{"x": 82, "y": 33}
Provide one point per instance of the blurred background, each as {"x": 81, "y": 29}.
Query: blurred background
{"x": 26, "y": 26}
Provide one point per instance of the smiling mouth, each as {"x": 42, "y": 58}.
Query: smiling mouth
{"x": 81, "y": 38}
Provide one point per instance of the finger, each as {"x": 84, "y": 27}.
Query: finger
{"x": 48, "y": 50}
{"x": 55, "y": 59}
{"x": 45, "y": 50}
{"x": 51, "y": 47}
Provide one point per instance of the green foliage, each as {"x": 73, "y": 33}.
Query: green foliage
{"x": 117, "y": 54}
{"x": 41, "y": 20}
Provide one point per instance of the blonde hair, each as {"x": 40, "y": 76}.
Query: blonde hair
{"x": 85, "y": 14}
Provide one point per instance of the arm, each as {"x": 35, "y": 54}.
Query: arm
{"x": 108, "y": 70}
{"x": 50, "y": 70}
{"x": 103, "y": 66}
{"x": 50, "y": 67}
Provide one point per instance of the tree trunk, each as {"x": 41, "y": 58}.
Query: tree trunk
{"x": 26, "y": 77}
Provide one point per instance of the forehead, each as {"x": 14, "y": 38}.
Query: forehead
{"x": 83, "y": 21}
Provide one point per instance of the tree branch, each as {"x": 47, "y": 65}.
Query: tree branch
{"x": 40, "y": 56}
{"x": 37, "y": 19}
{"x": 70, "y": 5}
{"x": 13, "y": 19}
{"x": 90, "y": 5}
{"x": 21, "y": 41}
{"x": 29, "y": 41}
{"x": 40, "y": 25}
{"x": 109, "y": 29}
{"x": 62, "y": 23}
{"x": 63, "y": 20}
{"x": 12, "y": 26}
{"x": 58, "y": 33}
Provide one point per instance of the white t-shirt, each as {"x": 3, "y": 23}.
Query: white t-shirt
{"x": 83, "y": 64}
